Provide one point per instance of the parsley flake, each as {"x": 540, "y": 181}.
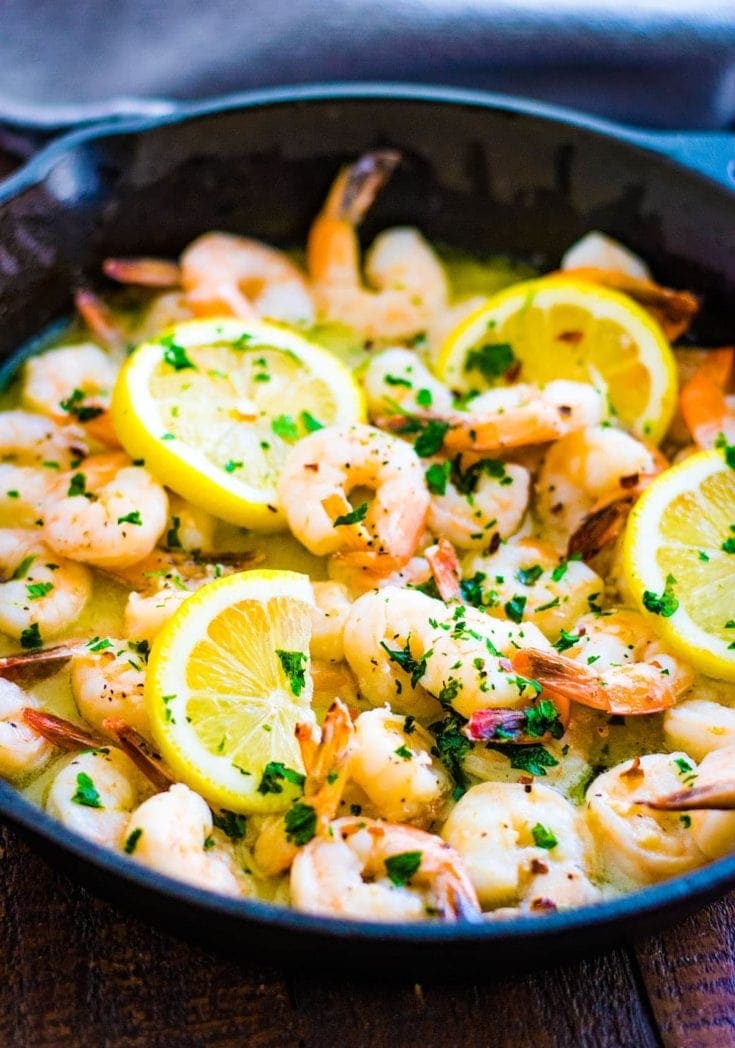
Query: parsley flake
{"x": 402, "y": 867}
{"x": 294, "y": 665}
{"x": 86, "y": 793}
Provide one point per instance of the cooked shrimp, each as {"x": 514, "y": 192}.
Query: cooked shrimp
{"x": 332, "y": 607}
{"x": 398, "y": 376}
{"x": 526, "y": 580}
{"x": 473, "y": 500}
{"x": 410, "y": 651}
{"x": 513, "y": 416}
{"x": 325, "y": 756}
{"x": 320, "y": 472}
{"x": 523, "y": 845}
{"x": 94, "y": 793}
{"x": 599, "y": 251}
{"x": 616, "y": 664}
{"x": 107, "y": 678}
{"x": 146, "y": 272}
{"x": 173, "y": 833}
{"x": 226, "y": 274}
{"x": 41, "y": 594}
{"x": 73, "y": 382}
{"x": 380, "y": 871}
{"x": 409, "y": 283}
{"x": 110, "y": 513}
{"x": 707, "y": 410}
{"x": 673, "y": 310}
{"x": 391, "y": 761}
{"x": 585, "y": 470}
{"x": 704, "y": 720}
{"x": 637, "y": 845}
{"x": 22, "y": 749}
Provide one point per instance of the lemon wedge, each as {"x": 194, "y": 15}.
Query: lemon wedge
{"x": 213, "y": 406}
{"x": 679, "y": 560}
{"x": 557, "y": 327}
{"x": 228, "y": 680}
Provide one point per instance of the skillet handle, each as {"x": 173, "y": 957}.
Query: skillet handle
{"x": 710, "y": 153}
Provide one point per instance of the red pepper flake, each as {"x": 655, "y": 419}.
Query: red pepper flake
{"x": 538, "y": 867}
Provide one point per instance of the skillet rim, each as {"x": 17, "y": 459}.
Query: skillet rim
{"x": 656, "y": 901}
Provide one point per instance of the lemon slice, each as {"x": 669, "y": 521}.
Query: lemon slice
{"x": 213, "y": 406}
{"x": 228, "y": 680}
{"x": 679, "y": 560}
{"x": 557, "y": 327}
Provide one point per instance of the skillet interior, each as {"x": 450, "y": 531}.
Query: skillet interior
{"x": 480, "y": 174}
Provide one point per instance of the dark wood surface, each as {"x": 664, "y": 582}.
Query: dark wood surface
{"x": 76, "y": 972}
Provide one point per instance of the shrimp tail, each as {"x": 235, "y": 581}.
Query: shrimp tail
{"x": 702, "y": 399}
{"x": 560, "y": 675}
{"x": 600, "y": 528}
{"x": 358, "y": 184}
{"x": 139, "y": 751}
{"x": 455, "y": 896}
{"x": 714, "y": 796}
{"x": 99, "y": 318}
{"x": 446, "y": 569}
{"x": 40, "y": 663}
{"x": 145, "y": 272}
{"x": 60, "y": 732}
{"x": 326, "y": 762}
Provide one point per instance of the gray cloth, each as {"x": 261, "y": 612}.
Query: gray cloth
{"x": 665, "y": 63}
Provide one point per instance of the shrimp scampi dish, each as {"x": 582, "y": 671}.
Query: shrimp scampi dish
{"x": 327, "y": 584}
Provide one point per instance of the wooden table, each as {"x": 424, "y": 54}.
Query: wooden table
{"x": 76, "y": 972}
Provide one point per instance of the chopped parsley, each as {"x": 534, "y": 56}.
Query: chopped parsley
{"x": 131, "y": 842}
{"x": 437, "y": 476}
{"x": 543, "y": 718}
{"x": 466, "y": 480}
{"x": 275, "y": 774}
{"x": 397, "y": 380}
{"x": 231, "y": 824}
{"x": 492, "y": 360}
{"x": 36, "y": 590}
{"x": 532, "y": 759}
{"x": 175, "y": 355}
{"x": 728, "y": 450}
{"x": 173, "y": 539}
{"x": 77, "y": 485}
{"x": 300, "y": 822}
{"x": 232, "y": 464}
{"x": 561, "y": 569}
{"x": 404, "y": 752}
{"x": 451, "y": 746}
{"x": 529, "y": 576}
{"x": 86, "y": 793}
{"x": 74, "y": 405}
{"x": 310, "y": 424}
{"x": 664, "y": 604}
{"x": 543, "y": 837}
{"x": 686, "y": 821}
{"x": 728, "y": 546}
{"x": 131, "y": 518}
{"x": 99, "y": 643}
{"x": 514, "y": 608}
{"x": 402, "y": 867}
{"x": 284, "y": 427}
{"x": 30, "y": 637}
{"x": 355, "y": 516}
{"x": 294, "y": 665}
{"x": 403, "y": 658}
{"x": 424, "y": 398}
{"x": 431, "y": 438}
{"x": 566, "y": 640}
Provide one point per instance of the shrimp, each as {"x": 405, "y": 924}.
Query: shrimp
{"x": 73, "y": 382}
{"x": 40, "y": 594}
{"x": 107, "y": 678}
{"x": 391, "y": 761}
{"x": 163, "y": 581}
{"x": 616, "y": 664}
{"x": 415, "y": 653}
{"x": 704, "y": 721}
{"x": 320, "y": 472}
{"x": 597, "y": 250}
{"x": 32, "y": 450}
{"x": 94, "y": 793}
{"x": 104, "y": 325}
{"x": 330, "y": 613}
{"x": 222, "y": 273}
{"x": 409, "y": 282}
{"x": 110, "y": 514}
{"x": 173, "y": 833}
{"x": 145, "y": 272}
{"x": 325, "y": 762}
{"x": 397, "y": 376}
{"x": 637, "y": 845}
{"x": 22, "y": 748}
{"x": 584, "y": 471}
{"x": 707, "y": 410}
{"x": 523, "y": 845}
{"x": 525, "y": 580}
{"x": 474, "y": 500}
{"x": 511, "y": 416}
{"x": 379, "y": 871}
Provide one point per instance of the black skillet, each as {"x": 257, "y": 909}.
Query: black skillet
{"x": 481, "y": 172}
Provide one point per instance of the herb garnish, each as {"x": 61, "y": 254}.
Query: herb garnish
{"x": 402, "y": 867}
{"x": 86, "y": 793}
{"x": 294, "y": 665}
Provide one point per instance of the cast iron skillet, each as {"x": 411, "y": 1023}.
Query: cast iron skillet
{"x": 481, "y": 172}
